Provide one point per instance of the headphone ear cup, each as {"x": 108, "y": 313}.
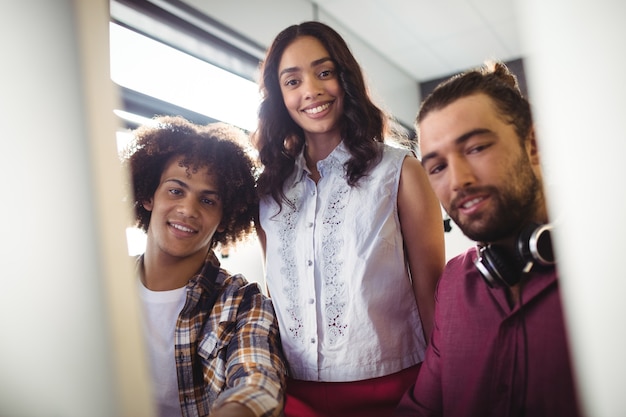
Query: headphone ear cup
{"x": 497, "y": 267}
{"x": 535, "y": 244}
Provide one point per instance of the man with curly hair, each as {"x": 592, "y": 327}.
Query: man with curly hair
{"x": 212, "y": 337}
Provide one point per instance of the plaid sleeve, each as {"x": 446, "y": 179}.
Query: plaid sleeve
{"x": 255, "y": 370}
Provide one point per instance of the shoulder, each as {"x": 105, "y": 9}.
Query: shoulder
{"x": 237, "y": 284}
{"x": 394, "y": 151}
{"x": 460, "y": 270}
{"x": 244, "y": 296}
{"x": 463, "y": 262}
{"x": 414, "y": 184}
{"x": 390, "y": 160}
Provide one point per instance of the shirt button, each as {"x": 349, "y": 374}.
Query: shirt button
{"x": 309, "y": 224}
{"x": 311, "y": 301}
{"x": 309, "y": 262}
{"x": 312, "y": 340}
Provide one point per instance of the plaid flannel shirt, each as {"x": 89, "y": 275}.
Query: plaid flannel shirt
{"x": 231, "y": 353}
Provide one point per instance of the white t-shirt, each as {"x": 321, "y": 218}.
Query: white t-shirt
{"x": 160, "y": 312}
{"x": 337, "y": 275}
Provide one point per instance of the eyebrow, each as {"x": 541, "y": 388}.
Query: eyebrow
{"x": 315, "y": 63}
{"x": 458, "y": 141}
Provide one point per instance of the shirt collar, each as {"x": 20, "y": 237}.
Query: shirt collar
{"x": 334, "y": 162}
{"x": 205, "y": 277}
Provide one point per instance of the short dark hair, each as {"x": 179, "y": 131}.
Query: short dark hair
{"x": 219, "y": 147}
{"x": 493, "y": 79}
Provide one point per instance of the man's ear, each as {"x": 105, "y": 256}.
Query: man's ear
{"x": 147, "y": 204}
{"x": 531, "y": 147}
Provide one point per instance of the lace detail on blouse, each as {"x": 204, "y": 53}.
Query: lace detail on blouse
{"x": 287, "y": 235}
{"x": 325, "y": 256}
{"x": 334, "y": 286}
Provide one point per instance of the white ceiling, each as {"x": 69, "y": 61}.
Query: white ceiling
{"x": 427, "y": 39}
{"x": 431, "y": 39}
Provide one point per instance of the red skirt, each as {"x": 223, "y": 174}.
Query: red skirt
{"x": 377, "y": 397}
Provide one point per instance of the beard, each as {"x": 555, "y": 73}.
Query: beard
{"x": 513, "y": 206}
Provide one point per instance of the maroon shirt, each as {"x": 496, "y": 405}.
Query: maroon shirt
{"x": 488, "y": 359}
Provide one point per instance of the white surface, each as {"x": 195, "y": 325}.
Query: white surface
{"x": 575, "y": 63}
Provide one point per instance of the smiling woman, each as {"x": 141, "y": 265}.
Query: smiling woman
{"x": 341, "y": 210}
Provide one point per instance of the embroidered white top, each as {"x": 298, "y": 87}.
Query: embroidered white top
{"x": 337, "y": 275}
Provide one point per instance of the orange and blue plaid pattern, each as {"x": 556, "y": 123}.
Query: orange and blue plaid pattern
{"x": 230, "y": 353}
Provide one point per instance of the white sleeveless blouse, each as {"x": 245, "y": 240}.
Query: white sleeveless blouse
{"x": 337, "y": 275}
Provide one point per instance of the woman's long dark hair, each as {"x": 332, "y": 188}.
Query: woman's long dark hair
{"x": 280, "y": 140}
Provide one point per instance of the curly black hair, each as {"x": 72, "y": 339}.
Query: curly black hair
{"x": 221, "y": 148}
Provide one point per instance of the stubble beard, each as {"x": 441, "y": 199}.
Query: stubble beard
{"x": 512, "y": 207}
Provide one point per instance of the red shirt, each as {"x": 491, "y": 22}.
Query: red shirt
{"x": 488, "y": 359}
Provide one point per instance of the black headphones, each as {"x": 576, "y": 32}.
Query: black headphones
{"x": 499, "y": 264}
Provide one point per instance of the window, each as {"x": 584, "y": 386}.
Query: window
{"x": 166, "y": 59}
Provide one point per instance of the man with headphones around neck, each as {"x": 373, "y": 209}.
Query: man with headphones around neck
{"x": 499, "y": 345}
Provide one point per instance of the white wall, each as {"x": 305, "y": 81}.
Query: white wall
{"x": 261, "y": 21}
{"x": 575, "y": 61}
{"x": 63, "y": 351}
{"x": 456, "y": 241}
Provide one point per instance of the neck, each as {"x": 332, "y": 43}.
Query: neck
{"x": 539, "y": 216}
{"x": 163, "y": 272}
{"x": 318, "y": 147}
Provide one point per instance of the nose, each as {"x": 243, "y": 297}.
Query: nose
{"x": 461, "y": 173}
{"x": 188, "y": 207}
{"x": 313, "y": 87}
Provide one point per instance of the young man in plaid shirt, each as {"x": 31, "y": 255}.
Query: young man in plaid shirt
{"x": 212, "y": 337}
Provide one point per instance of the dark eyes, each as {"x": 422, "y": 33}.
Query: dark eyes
{"x": 177, "y": 192}
{"x": 436, "y": 169}
{"x": 477, "y": 148}
{"x": 322, "y": 75}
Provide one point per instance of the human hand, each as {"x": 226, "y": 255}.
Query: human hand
{"x": 233, "y": 410}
